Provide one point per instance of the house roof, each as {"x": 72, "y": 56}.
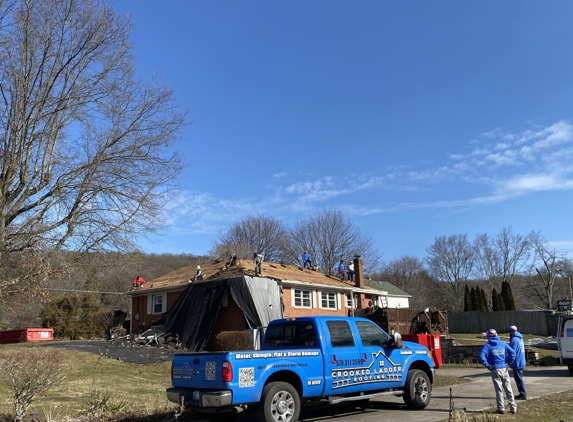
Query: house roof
{"x": 216, "y": 271}
{"x": 386, "y": 286}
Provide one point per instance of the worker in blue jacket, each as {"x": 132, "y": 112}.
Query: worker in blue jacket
{"x": 516, "y": 343}
{"x": 497, "y": 356}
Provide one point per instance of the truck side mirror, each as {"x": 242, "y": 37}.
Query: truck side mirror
{"x": 397, "y": 341}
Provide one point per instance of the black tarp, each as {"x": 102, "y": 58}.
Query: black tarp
{"x": 193, "y": 315}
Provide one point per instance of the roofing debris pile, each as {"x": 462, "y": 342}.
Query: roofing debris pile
{"x": 150, "y": 338}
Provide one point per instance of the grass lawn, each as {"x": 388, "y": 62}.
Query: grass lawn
{"x": 99, "y": 383}
{"x": 547, "y": 357}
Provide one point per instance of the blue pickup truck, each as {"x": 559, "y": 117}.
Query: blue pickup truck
{"x": 307, "y": 358}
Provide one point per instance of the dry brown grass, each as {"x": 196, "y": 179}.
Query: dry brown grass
{"x": 91, "y": 377}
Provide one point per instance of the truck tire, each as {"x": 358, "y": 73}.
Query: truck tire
{"x": 570, "y": 367}
{"x": 418, "y": 389}
{"x": 279, "y": 403}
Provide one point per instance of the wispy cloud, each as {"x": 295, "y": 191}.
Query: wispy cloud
{"x": 500, "y": 166}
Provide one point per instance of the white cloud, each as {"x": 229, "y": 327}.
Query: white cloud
{"x": 505, "y": 166}
{"x": 535, "y": 183}
{"x": 502, "y": 145}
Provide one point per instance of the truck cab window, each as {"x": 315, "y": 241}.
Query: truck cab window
{"x": 372, "y": 335}
{"x": 340, "y": 334}
{"x": 298, "y": 333}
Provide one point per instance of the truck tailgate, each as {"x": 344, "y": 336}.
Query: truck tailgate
{"x": 198, "y": 370}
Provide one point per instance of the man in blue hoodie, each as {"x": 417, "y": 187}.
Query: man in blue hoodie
{"x": 495, "y": 355}
{"x": 516, "y": 343}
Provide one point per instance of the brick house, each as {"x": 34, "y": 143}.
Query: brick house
{"x": 234, "y": 299}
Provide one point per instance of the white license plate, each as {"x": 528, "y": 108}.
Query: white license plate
{"x": 196, "y": 395}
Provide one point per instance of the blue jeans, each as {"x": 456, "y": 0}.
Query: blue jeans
{"x": 518, "y": 377}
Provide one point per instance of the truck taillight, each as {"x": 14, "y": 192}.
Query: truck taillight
{"x": 171, "y": 369}
{"x": 227, "y": 371}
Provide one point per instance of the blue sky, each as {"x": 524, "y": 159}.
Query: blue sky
{"x": 416, "y": 119}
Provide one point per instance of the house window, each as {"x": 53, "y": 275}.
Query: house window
{"x": 328, "y": 300}
{"x": 350, "y": 303}
{"x": 302, "y": 298}
{"x": 156, "y": 304}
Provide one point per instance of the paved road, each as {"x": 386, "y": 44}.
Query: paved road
{"x": 476, "y": 396}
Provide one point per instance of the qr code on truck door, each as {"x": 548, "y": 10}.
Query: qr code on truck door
{"x": 246, "y": 377}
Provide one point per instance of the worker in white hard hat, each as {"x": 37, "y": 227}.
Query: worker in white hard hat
{"x": 198, "y": 274}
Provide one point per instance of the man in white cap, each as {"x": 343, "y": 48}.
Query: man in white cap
{"x": 495, "y": 355}
{"x": 198, "y": 275}
{"x": 516, "y": 343}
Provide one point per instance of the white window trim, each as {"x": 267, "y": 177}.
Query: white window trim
{"x": 335, "y": 301}
{"x": 150, "y": 304}
{"x": 311, "y": 297}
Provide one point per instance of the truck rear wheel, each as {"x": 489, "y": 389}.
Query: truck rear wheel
{"x": 279, "y": 403}
{"x": 570, "y": 367}
{"x": 418, "y": 389}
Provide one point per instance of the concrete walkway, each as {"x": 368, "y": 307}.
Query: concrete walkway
{"x": 475, "y": 396}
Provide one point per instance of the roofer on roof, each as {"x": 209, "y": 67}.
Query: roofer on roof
{"x": 306, "y": 259}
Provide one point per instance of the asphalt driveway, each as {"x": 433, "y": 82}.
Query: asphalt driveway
{"x": 131, "y": 352}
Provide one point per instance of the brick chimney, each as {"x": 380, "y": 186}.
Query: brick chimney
{"x": 358, "y": 272}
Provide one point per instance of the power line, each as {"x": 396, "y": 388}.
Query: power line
{"x": 85, "y": 291}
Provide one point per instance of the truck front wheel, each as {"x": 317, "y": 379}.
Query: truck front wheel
{"x": 279, "y": 403}
{"x": 570, "y": 367}
{"x": 418, "y": 389}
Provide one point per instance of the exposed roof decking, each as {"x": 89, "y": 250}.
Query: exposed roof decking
{"x": 216, "y": 271}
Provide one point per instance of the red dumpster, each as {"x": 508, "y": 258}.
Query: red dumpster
{"x": 431, "y": 341}
{"x": 26, "y": 334}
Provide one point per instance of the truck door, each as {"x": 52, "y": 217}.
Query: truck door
{"x": 342, "y": 359}
{"x": 383, "y": 363}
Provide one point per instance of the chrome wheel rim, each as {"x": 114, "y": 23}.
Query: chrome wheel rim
{"x": 422, "y": 389}
{"x": 282, "y": 406}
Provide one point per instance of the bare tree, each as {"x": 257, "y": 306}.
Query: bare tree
{"x": 547, "y": 266}
{"x": 329, "y": 237}
{"x": 87, "y": 156}
{"x": 500, "y": 258}
{"x": 257, "y": 233}
{"x": 565, "y": 271}
{"x": 32, "y": 372}
{"x": 409, "y": 274}
{"x": 451, "y": 260}
{"x": 405, "y": 273}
